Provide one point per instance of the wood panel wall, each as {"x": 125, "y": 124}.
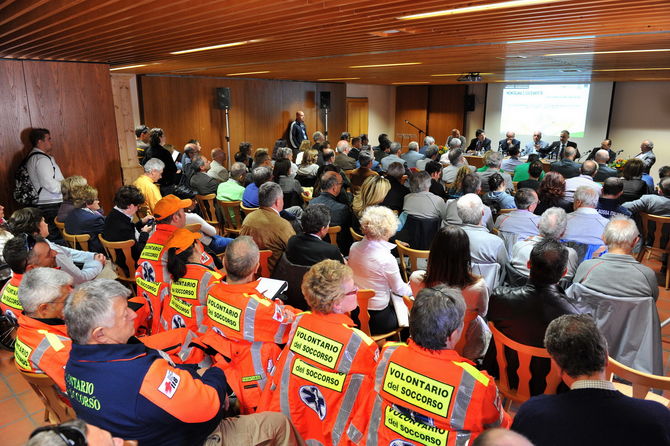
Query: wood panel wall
{"x": 73, "y": 101}
{"x": 436, "y": 109}
{"x": 184, "y": 107}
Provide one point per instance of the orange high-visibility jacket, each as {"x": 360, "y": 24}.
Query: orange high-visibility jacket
{"x": 324, "y": 379}
{"x": 432, "y": 398}
{"x": 43, "y": 347}
{"x": 152, "y": 271}
{"x": 247, "y": 366}
{"x": 9, "y": 297}
{"x": 186, "y": 305}
{"x": 240, "y": 312}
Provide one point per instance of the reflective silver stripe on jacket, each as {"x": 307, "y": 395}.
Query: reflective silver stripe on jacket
{"x": 375, "y": 421}
{"x": 349, "y": 353}
{"x": 203, "y": 289}
{"x": 346, "y": 407}
{"x": 257, "y": 361}
{"x": 249, "y": 317}
{"x": 463, "y": 397}
{"x": 284, "y": 405}
{"x": 381, "y": 367}
{"x": 43, "y": 346}
{"x": 279, "y": 335}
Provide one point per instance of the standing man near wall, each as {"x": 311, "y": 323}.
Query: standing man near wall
{"x": 46, "y": 176}
{"x": 297, "y": 132}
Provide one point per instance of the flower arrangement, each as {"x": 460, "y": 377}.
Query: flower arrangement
{"x": 442, "y": 150}
{"x": 618, "y": 164}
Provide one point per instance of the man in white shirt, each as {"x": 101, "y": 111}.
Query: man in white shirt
{"x": 585, "y": 224}
{"x": 216, "y": 168}
{"x": 46, "y": 176}
{"x": 588, "y": 170}
{"x": 522, "y": 222}
{"x": 535, "y": 145}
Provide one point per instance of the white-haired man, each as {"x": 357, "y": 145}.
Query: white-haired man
{"x": 427, "y": 142}
{"x": 585, "y": 224}
{"x": 342, "y": 158}
{"x": 489, "y": 256}
{"x": 146, "y": 183}
{"x": 412, "y": 155}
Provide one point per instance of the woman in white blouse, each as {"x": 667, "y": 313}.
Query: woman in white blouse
{"x": 375, "y": 267}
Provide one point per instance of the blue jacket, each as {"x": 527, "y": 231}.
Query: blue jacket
{"x": 136, "y": 394}
{"x": 83, "y": 221}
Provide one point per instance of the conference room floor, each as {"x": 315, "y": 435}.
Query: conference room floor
{"x": 21, "y": 411}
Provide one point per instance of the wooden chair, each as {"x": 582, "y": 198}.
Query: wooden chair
{"x": 525, "y": 353}
{"x": 355, "y": 235}
{"x": 363, "y": 296}
{"x": 232, "y": 218}
{"x": 55, "y": 409}
{"x": 414, "y": 256}
{"x": 207, "y": 204}
{"x": 332, "y": 234}
{"x": 193, "y": 227}
{"x": 126, "y": 247}
{"x": 656, "y": 248}
{"x": 246, "y": 211}
{"x": 265, "y": 267}
{"x": 515, "y": 183}
{"x": 74, "y": 240}
{"x": 61, "y": 226}
{"x": 641, "y": 382}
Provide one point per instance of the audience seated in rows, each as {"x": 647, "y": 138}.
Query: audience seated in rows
{"x": 604, "y": 171}
{"x": 342, "y": 159}
{"x": 497, "y": 196}
{"x": 66, "y": 187}
{"x": 552, "y": 194}
{"x": 608, "y": 203}
{"x": 551, "y": 225}
{"x": 523, "y": 313}
{"x": 359, "y": 175}
{"x": 588, "y": 171}
{"x": 260, "y": 175}
{"x": 376, "y": 268}
{"x": 521, "y": 171}
{"x": 86, "y": 218}
{"x": 201, "y": 182}
{"x": 309, "y": 247}
{"x": 233, "y": 188}
{"x": 595, "y": 411}
{"x": 535, "y": 172}
{"x": 420, "y": 202}
{"x": 510, "y": 164}
{"x": 392, "y": 157}
{"x": 431, "y": 154}
{"x": 412, "y": 155}
{"x": 471, "y": 185}
{"x": 449, "y": 264}
{"x": 217, "y": 170}
{"x": 522, "y": 222}
{"x": 456, "y": 161}
{"x": 488, "y": 252}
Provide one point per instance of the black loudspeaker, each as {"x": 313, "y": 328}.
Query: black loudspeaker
{"x": 469, "y": 102}
{"x": 222, "y": 97}
{"x": 324, "y": 100}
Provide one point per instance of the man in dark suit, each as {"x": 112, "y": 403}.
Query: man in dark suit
{"x": 309, "y": 248}
{"x": 340, "y": 214}
{"x": 119, "y": 224}
{"x": 504, "y": 145}
{"x": 567, "y": 166}
{"x": 593, "y": 412}
{"x": 555, "y": 149}
{"x": 202, "y": 183}
{"x": 607, "y": 145}
{"x": 480, "y": 143}
{"x": 604, "y": 171}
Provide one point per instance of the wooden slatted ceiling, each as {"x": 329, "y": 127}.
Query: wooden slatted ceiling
{"x": 311, "y": 40}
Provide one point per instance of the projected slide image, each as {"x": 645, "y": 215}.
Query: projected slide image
{"x": 548, "y": 108}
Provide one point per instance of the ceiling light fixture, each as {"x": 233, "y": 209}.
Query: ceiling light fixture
{"x": 338, "y": 78}
{"x": 213, "y": 47}
{"x": 633, "y": 69}
{"x": 468, "y": 9}
{"x": 409, "y": 83}
{"x": 386, "y": 65}
{"x": 610, "y": 52}
{"x": 549, "y": 39}
{"x": 248, "y": 72}
{"x": 128, "y": 67}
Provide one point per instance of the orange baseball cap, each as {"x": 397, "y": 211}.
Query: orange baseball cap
{"x": 182, "y": 239}
{"x": 170, "y": 204}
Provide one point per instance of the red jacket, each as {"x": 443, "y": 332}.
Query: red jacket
{"x": 324, "y": 379}
{"x": 431, "y": 397}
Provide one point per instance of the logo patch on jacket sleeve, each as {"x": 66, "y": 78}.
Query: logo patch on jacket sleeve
{"x": 170, "y": 383}
{"x": 279, "y": 314}
{"x": 313, "y": 398}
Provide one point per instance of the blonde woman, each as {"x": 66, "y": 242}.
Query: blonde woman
{"x": 307, "y": 168}
{"x": 66, "y": 187}
{"x": 373, "y": 191}
{"x": 456, "y": 189}
{"x": 86, "y": 217}
{"x": 375, "y": 267}
{"x": 302, "y": 151}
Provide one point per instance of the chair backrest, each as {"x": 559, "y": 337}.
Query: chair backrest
{"x": 414, "y": 256}
{"x": 332, "y": 234}
{"x": 660, "y": 222}
{"x": 74, "y": 240}
{"x": 419, "y": 232}
{"x": 293, "y": 275}
{"x": 355, "y": 235}
{"x": 363, "y": 296}
{"x": 525, "y": 353}
{"x": 193, "y": 227}
{"x": 641, "y": 382}
{"x": 60, "y": 225}
{"x": 207, "y": 205}
{"x": 265, "y": 255}
{"x": 247, "y": 210}
{"x": 45, "y": 388}
{"x": 125, "y": 247}
{"x": 232, "y": 219}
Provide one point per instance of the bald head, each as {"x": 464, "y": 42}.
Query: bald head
{"x": 589, "y": 168}
{"x": 602, "y": 156}
{"x": 342, "y": 146}
{"x": 331, "y": 182}
{"x": 218, "y": 155}
{"x": 241, "y": 259}
{"x": 501, "y": 437}
{"x": 569, "y": 152}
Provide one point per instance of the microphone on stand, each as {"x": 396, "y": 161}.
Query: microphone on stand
{"x": 620, "y": 151}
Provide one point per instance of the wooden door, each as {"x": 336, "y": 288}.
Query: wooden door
{"x": 357, "y": 116}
